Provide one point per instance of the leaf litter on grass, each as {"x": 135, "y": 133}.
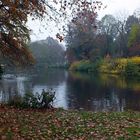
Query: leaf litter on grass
{"x": 58, "y": 124}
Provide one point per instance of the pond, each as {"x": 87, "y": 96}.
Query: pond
{"x": 76, "y": 90}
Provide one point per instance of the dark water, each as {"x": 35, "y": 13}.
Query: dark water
{"x": 77, "y": 90}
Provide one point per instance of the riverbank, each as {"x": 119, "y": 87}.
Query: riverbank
{"x": 125, "y": 66}
{"x": 61, "y": 124}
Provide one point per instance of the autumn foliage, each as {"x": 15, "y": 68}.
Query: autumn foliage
{"x": 14, "y": 34}
{"x": 62, "y": 125}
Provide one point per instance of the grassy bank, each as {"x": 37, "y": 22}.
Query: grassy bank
{"x": 65, "y": 125}
{"x": 125, "y": 66}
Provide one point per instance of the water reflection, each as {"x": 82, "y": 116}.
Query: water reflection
{"x": 89, "y": 92}
{"x": 103, "y": 92}
{"x": 9, "y": 88}
{"x": 77, "y": 90}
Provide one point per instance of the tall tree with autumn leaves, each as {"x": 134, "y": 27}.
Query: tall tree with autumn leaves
{"x": 14, "y": 33}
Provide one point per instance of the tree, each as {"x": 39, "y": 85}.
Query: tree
{"x": 124, "y": 28}
{"x": 134, "y": 36}
{"x": 107, "y": 25}
{"x": 48, "y": 52}
{"x": 107, "y": 34}
{"x": 82, "y": 31}
{"x": 80, "y": 35}
{"x": 14, "y": 34}
{"x": 121, "y": 39}
{"x": 131, "y": 20}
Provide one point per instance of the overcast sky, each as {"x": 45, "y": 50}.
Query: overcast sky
{"x": 113, "y": 7}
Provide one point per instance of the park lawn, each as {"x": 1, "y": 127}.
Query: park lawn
{"x": 59, "y": 124}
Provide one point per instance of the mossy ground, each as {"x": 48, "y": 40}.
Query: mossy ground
{"x": 59, "y": 124}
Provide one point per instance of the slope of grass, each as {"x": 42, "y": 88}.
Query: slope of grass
{"x": 58, "y": 124}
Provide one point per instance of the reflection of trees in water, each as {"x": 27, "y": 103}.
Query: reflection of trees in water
{"x": 8, "y": 89}
{"x": 76, "y": 90}
{"x": 111, "y": 102}
{"x": 91, "y": 93}
{"x": 132, "y": 99}
{"x": 12, "y": 88}
{"x": 49, "y": 76}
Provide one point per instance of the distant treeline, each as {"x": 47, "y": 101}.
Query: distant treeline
{"x": 48, "y": 53}
{"x": 110, "y": 36}
{"x": 109, "y": 45}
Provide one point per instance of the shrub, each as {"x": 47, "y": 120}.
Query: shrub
{"x": 132, "y": 69}
{"x": 86, "y": 65}
{"x": 127, "y": 66}
{"x": 113, "y": 66}
{"x": 74, "y": 65}
{"x": 83, "y": 65}
{"x": 135, "y": 60}
{"x": 120, "y": 64}
{"x": 30, "y": 100}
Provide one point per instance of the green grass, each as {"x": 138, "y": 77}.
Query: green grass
{"x": 61, "y": 124}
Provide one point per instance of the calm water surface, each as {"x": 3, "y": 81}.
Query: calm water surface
{"x": 76, "y": 90}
